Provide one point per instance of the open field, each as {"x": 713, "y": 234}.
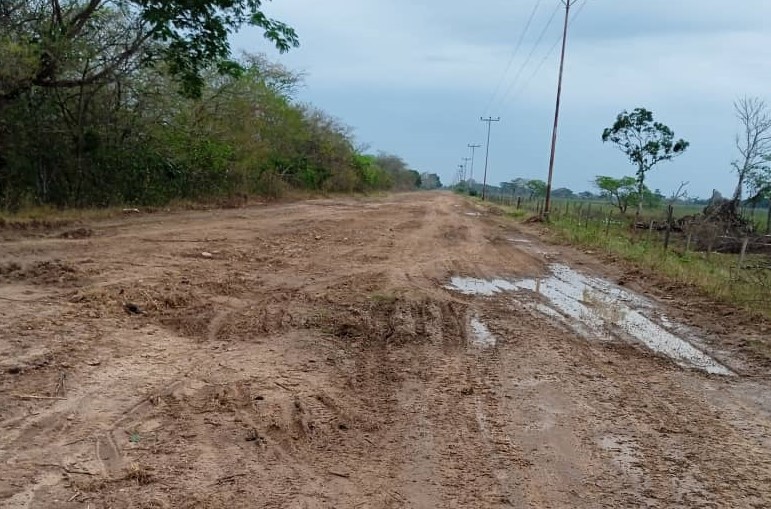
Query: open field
{"x": 409, "y": 351}
{"x": 602, "y": 208}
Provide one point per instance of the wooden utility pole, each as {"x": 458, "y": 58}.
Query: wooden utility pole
{"x": 489, "y": 121}
{"x": 465, "y": 167}
{"x": 547, "y": 206}
{"x": 473, "y": 152}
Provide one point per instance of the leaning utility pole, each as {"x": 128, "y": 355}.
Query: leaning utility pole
{"x": 547, "y": 205}
{"x": 473, "y": 152}
{"x": 489, "y": 121}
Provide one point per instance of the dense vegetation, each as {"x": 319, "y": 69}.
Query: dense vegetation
{"x": 107, "y": 102}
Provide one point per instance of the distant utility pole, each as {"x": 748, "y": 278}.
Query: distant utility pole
{"x": 547, "y": 205}
{"x": 473, "y": 152}
{"x": 461, "y": 173}
{"x": 465, "y": 166}
{"x": 489, "y": 121}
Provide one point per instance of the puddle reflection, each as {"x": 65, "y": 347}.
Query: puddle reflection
{"x": 594, "y": 307}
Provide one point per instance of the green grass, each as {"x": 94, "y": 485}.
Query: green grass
{"x": 602, "y": 209}
{"x": 716, "y": 275}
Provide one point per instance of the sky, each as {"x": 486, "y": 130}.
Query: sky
{"x": 413, "y": 78}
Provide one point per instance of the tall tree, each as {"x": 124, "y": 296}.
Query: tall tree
{"x": 620, "y": 192}
{"x": 645, "y": 142}
{"x": 753, "y": 144}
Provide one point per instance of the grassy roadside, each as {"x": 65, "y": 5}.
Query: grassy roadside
{"x": 717, "y": 275}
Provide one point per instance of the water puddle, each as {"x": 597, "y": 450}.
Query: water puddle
{"x": 481, "y": 335}
{"x": 521, "y": 241}
{"x": 594, "y": 307}
{"x": 472, "y": 286}
{"x": 473, "y": 214}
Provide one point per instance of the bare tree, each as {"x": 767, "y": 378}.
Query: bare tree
{"x": 680, "y": 194}
{"x": 754, "y": 143}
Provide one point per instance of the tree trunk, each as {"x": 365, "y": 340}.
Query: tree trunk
{"x": 640, "y": 188}
{"x": 737, "y": 197}
{"x": 768, "y": 219}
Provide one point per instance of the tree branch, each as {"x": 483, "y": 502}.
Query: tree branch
{"x": 80, "y": 19}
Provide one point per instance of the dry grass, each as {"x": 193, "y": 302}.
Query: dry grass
{"x": 139, "y": 474}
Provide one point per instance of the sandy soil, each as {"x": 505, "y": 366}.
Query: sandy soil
{"x": 310, "y": 356}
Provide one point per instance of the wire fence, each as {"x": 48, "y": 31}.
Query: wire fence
{"x": 734, "y": 264}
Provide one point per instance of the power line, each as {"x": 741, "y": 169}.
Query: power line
{"x": 513, "y": 55}
{"x": 489, "y": 121}
{"x": 548, "y": 54}
{"x": 532, "y": 52}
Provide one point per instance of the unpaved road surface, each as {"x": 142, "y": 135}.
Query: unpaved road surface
{"x": 315, "y": 355}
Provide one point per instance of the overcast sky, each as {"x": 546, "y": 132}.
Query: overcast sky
{"x": 413, "y": 77}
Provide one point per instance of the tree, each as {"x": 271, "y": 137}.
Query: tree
{"x": 46, "y": 39}
{"x": 403, "y": 178}
{"x": 760, "y": 181}
{"x": 563, "y": 193}
{"x": 430, "y": 181}
{"x": 621, "y": 192}
{"x": 753, "y": 144}
{"x": 645, "y": 142}
{"x": 537, "y": 188}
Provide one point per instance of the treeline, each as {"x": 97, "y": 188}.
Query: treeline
{"x": 112, "y": 103}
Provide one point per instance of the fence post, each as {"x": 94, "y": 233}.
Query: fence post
{"x": 670, "y": 213}
{"x": 650, "y": 231}
{"x": 745, "y": 243}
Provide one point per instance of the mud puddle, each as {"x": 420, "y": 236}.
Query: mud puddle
{"x": 481, "y": 335}
{"x": 596, "y": 308}
{"x": 471, "y": 286}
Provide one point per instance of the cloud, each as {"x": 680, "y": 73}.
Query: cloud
{"x": 413, "y": 77}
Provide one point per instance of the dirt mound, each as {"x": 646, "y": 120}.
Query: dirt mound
{"x": 390, "y": 319}
{"x": 78, "y": 233}
{"x": 47, "y": 272}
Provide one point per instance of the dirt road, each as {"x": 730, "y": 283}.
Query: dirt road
{"x": 321, "y": 355}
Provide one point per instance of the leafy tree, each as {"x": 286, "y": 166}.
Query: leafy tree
{"x": 46, "y": 39}
{"x": 761, "y": 187}
{"x": 537, "y": 188}
{"x": 563, "y": 193}
{"x": 90, "y": 113}
{"x": 404, "y": 179}
{"x": 430, "y": 181}
{"x": 645, "y": 142}
{"x": 622, "y": 192}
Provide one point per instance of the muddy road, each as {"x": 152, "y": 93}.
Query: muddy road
{"x": 414, "y": 351}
